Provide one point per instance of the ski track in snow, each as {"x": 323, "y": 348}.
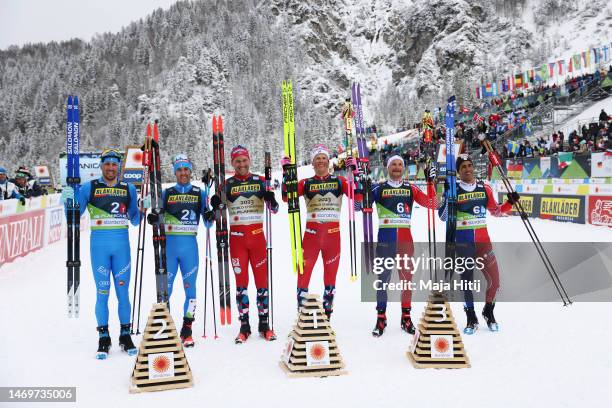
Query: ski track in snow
{"x": 542, "y": 356}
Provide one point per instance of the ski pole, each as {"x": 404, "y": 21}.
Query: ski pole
{"x": 530, "y": 230}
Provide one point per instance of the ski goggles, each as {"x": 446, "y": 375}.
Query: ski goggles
{"x": 111, "y": 155}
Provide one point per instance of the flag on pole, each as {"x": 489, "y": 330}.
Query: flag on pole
{"x": 517, "y": 81}
{"x": 561, "y": 65}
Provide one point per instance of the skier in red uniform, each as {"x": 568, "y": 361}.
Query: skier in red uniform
{"x": 323, "y": 196}
{"x": 246, "y": 197}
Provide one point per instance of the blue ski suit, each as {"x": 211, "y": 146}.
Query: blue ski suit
{"x": 111, "y": 210}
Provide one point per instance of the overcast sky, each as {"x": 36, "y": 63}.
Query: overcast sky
{"x": 24, "y": 21}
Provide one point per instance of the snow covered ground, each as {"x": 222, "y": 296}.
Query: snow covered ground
{"x": 544, "y": 355}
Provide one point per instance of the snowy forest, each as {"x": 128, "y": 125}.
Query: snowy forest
{"x": 229, "y": 57}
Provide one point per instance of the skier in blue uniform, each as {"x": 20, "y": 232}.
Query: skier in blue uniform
{"x": 183, "y": 204}
{"x": 112, "y": 206}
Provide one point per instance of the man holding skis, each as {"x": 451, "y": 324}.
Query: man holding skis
{"x": 246, "y": 199}
{"x": 394, "y": 200}
{"x": 323, "y": 195}
{"x": 183, "y": 204}
{"x": 112, "y": 206}
{"x": 474, "y": 198}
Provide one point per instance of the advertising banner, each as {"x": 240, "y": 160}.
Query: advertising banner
{"x": 600, "y": 210}
{"x": 131, "y": 171}
{"x": 21, "y": 234}
{"x": 563, "y": 208}
{"x": 89, "y": 165}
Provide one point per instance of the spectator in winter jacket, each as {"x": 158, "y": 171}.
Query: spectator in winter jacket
{"x": 27, "y": 185}
{"x": 7, "y": 189}
{"x": 603, "y": 116}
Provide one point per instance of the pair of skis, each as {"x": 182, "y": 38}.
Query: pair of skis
{"x": 157, "y": 208}
{"x": 73, "y": 211}
{"x": 451, "y": 178}
{"x": 207, "y": 181}
{"x": 291, "y": 180}
{"x": 268, "y": 177}
{"x": 348, "y": 113}
{"x": 366, "y": 181}
{"x": 142, "y": 227}
{"x": 225, "y": 304}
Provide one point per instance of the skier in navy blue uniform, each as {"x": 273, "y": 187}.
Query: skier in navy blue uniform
{"x": 394, "y": 200}
{"x": 183, "y": 205}
{"x": 112, "y": 206}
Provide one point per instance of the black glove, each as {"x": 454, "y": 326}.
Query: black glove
{"x": 22, "y": 200}
{"x": 513, "y": 197}
{"x": 152, "y": 218}
{"x": 209, "y": 216}
{"x": 215, "y": 202}
{"x": 270, "y": 198}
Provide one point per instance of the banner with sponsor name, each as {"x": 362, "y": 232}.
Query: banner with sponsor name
{"x": 89, "y": 167}
{"x": 27, "y": 228}
{"x": 21, "y": 234}
{"x": 131, "y": 170}
{"x": 600, "y": 210}
{"x": 552, "y": 207}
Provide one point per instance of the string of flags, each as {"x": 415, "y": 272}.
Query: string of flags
{"x": 523, "y": 80}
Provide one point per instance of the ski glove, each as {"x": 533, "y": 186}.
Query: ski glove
{"x": 431, "y": 175}
{"x": 513, "y": 197}
{"x": 22, "y": 200}
{"x": 350, "y": 162}
{"x": 209, "y": 217}
{"x": 67, "y": 194}
{"x": 152, "y": 218}
{"x": 270, "y": 198}
{"x": 215, "y": 202}
{"x": 285, "y": 161}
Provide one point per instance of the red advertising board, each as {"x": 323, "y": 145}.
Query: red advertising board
{"x": 21, "y": 234}
{"x": 600, "y": 210}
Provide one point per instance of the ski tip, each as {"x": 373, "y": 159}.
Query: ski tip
{"x": 228, "y": 315}
{"x": 216, "y": 337}
{"x": 222, "y": 315}
{"x": 132, "y": 352}
{"x": 354, "y": 278}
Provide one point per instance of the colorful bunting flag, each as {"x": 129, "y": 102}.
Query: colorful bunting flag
{"x": 551, "y": 69}
{"x": 513, "y": 147}
{"x": 565, "y": 159}
{"x": 596, "y": 55}
{"x": 561, "y": 65}
{"x": 577, "y": 64}
{"x": 517, "y": 81}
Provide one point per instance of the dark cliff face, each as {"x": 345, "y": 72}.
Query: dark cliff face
{"x": 424, "y": 44}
